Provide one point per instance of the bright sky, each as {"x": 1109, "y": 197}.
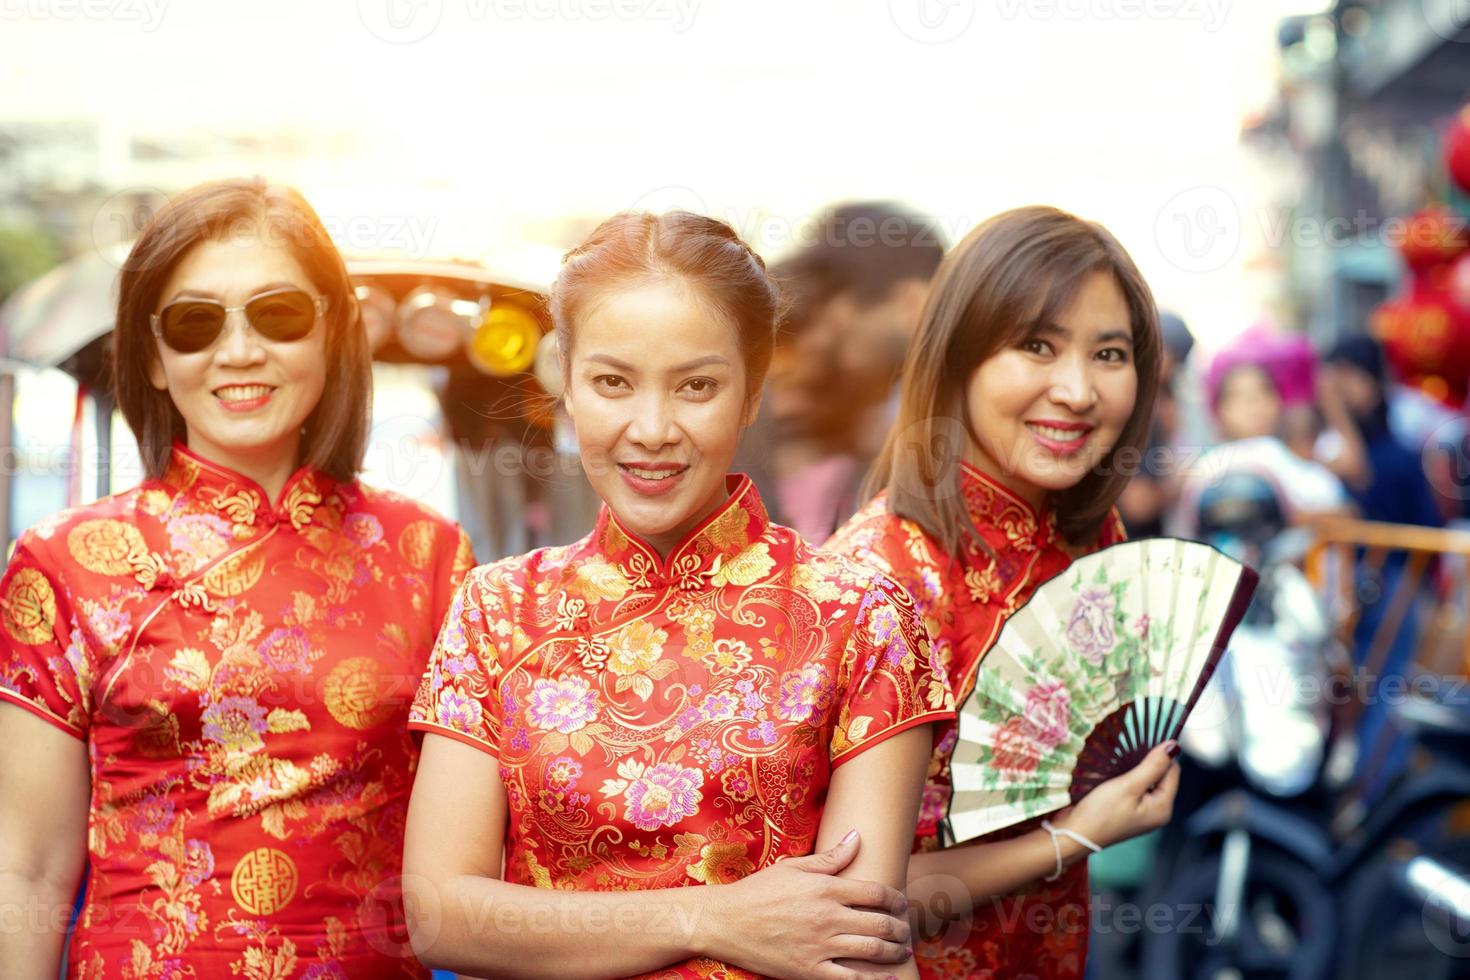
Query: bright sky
{"x": 488, "y": 120}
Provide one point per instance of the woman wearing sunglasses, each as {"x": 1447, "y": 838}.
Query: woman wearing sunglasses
{"x": 204, "y": 681}
{"x": 625, "y": 737}
{"x": 1033, "y": 371}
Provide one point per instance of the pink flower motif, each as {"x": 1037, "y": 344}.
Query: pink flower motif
{"x": 565, "y": 705}
{"x": 459, "y": 712}
{"x": 1141, "y": 627}
{"x": 563, "y": 772}
{"x": 364, "y": 529}
{"x": 1090, "y": 630}
{"x": 663, "y": 796}
{"x": 805, "y": 695}
{"x": 1014, "y": 749}
{"x": 1048, "y": 712}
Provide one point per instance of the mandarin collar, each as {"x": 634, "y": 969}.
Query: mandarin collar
{"x": 241, "y": 500}
{"x": 704, "y": 556}
{"x": 1001, "y": 515}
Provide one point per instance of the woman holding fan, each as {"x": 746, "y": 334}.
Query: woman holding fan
{"x": 1031, "y": 380}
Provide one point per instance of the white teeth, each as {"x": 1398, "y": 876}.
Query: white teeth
{"x": 1060, "y": 435}
{"x": 242, "y": 393}
{"x": 650, "y": 474}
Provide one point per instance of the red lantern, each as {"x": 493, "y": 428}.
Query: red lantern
{"x": 1434, "y": 236}
{"x": 1426, "y": 337}
{"x": 1457, "y": 149}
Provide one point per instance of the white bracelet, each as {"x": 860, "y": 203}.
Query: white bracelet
{"x": 1046, "y": 825}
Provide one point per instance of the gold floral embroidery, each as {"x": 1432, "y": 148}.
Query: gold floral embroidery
{"x": 983, "y": 583}
{"x": 746, "y": 568}
{"x": 239, "y": 506}
{"x": 720, "y": 863}
{"x": 302, "y": 500}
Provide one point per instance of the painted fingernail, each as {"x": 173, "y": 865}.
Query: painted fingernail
{"x": 851, "y": 836}
{"x": 1173, "y": 750}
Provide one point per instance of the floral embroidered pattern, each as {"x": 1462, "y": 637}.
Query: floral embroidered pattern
{"x": 241, "y": 674}
{"x": 666, "y": 722}
{"x": 964, "y": 604}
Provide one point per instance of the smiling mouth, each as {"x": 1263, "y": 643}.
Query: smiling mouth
{"x": 239, "y": 394}
{"x": 1059, "y": 434}
{"x": 660, "y": 473}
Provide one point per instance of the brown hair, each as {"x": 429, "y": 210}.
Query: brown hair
{"x": 335, "y": 433}
{"x": 1012, "y": 273}
{"x": 634, "y": 247}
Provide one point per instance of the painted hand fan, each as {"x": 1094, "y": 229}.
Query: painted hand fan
{"x": 1105, "y": 662}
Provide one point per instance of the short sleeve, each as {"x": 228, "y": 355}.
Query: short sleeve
{"x": 459, "y": 695}
{"x": 892, "y": 681}
{"x": 43, "y": 662}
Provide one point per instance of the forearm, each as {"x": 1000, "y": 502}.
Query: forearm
{"x": 951, "y": 883}
{"x": 486, "y": 927}
{"x": 34, "y": 914}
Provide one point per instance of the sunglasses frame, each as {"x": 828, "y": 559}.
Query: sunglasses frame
{"x": 155, "y": 320}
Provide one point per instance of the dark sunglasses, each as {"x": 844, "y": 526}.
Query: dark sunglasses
{"x": 190, "y": 325}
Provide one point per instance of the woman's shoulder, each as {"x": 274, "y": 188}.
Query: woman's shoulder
{"x": 895, "y": 545}
{"x": 53, "y": 539}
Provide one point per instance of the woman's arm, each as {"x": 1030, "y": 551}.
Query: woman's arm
{"x": 950, "y": 883}
{"x": 45, "y": 790}
{"x": 878, "y": 793}
{"x": 788, "y": 920}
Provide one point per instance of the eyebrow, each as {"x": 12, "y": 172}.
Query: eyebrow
{"x": 269, "y": 287}
{"x": 1106, "y": 337}
{"x": 698, "y": 362}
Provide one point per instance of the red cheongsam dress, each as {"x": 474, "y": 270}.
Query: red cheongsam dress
{"x": 241, "y": 674}
{"x": 662, "y": 723}
{"x": 1041, "y": 930}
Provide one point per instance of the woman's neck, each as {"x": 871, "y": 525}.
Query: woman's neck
{"x": 269, "y": 467}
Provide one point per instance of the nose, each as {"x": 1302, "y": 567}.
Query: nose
{"x": 652, "y": 424}
{"x": 1072, "y": 384}
{"x": 238, "y": 344}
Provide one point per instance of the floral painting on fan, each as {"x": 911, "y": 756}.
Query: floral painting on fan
{"x": 1105, "y": 662}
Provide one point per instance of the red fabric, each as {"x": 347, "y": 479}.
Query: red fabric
{"x": 1040, "y": 931}
{"x": 662, "y": 723}
{"x": 241, "y": 674}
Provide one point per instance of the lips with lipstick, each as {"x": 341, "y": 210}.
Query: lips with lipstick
{"x": 651, "y": 478}
{"x": 243, "y": 397}
{"x": 1062, "y": 438}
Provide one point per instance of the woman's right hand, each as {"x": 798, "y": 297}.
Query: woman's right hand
{"x": 1138, "y": 801}
{"x": 792, "y": 919}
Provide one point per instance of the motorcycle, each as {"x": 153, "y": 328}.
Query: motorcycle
{"x": 1294, "y": 877}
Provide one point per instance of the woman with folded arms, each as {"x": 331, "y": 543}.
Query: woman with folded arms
{"x": 685, "y": 697}
{"x": 205, "y": 680}
{"x": 1034, "y": 367}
